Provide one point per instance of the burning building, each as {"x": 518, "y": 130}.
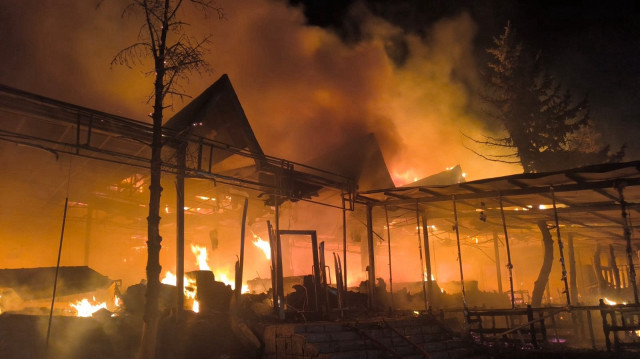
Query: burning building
{"x": 326, "y": 239}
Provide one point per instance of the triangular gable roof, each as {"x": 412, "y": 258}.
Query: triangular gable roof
{"x": 217, "y": 114}
{"x": 361, "y": 160}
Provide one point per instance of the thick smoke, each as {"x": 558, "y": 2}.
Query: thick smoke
{"x": 304, "y": 90}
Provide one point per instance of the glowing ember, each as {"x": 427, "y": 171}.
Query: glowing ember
{"x": 263, "y": 245}
{"x": 607, "y": 301}
{"x": 201, "y": 257}
{"x": 196, "y": 306}
{"x": 86, "y": 309}
{"x": 116, "y": 301}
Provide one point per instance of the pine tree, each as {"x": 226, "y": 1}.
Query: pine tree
{"x": 541, "y": 119}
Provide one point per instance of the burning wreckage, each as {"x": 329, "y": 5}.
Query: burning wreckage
{"x": 327, "y": 259}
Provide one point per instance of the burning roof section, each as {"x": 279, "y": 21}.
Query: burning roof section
{"x": 360, "y": 159}
{"x": 450, "y": 176}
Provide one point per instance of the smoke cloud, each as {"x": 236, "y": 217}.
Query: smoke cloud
{"x": 303, "y": 89}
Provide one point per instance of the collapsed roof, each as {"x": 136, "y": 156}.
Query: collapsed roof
{"x": 37, "y": 283}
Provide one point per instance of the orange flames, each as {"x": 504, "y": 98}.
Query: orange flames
{"x": 263, "y": 245}
{"x": 84, "y": 308}
{"x": 201, "y": 257}
{"x": 190, "y": 286}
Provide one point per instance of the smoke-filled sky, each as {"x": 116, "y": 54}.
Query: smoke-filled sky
{"x": 307, "y": 88}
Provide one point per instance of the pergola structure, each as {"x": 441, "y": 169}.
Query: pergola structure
{"x": 594, "y": 204}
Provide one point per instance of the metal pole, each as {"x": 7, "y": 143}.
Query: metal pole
{"x": 181, "y": 156}
{"x": 455, "y": 214}
{"x": 573, "y": 279}
{"x": 55, "y": 280}
{"x": 560, "y": 248}
{"x": 627, "y": 237}
{"x": 427, "y": 257}
{"x": 372, "y": 263}
{"x": 506, "y": 241}
{"x": 279, "y": 272}
{"x": 497, "y": 256}
{"x": 344, "y": 247}
{"x": 424, "y": 287}
{"x": 241, "y": 260}
{"x": 386, "y": 216}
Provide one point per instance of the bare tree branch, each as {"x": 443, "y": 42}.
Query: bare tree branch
{"x": 491, "y": 158}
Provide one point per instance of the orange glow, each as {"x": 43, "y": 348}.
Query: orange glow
{"x": 608, "y": 301}
{"x": 263, "y": 245}
{"x": 224, "y": 278}
{"x": 169, "y": 279}
{"x": 404, "y": 178}
{"x": 84, "y": 308}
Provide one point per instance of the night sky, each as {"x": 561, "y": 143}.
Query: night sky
{"x": 313, "y": 74}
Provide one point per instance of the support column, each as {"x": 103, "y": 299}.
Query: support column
{"x": 627, "y": 237}
{"x": 497, "y": 257}
{"x": 181, "y": 158}
{"x": 344, "y": 247}
{"x": 573, "y": 279}
{"x": 560, "y": 248}
{"x": 506, "y": 242}
{"x": 372, "y": 262}
{"x": 424, "y": 288}
{"x": 386, "y": 216}
{"x": 240, "y": 269}
{"x": 427, "y": 256}
{"x": 455, "y": 216}
{"x": 279, "y": 272}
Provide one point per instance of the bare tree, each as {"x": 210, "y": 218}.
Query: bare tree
{"x": 175, "y": 55}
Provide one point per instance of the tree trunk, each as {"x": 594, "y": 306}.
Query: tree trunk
{"x": 148, "y": 344}
{"x": 543, "y": 276}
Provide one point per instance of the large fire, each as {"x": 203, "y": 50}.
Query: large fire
{"x": 190, "y": 286}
